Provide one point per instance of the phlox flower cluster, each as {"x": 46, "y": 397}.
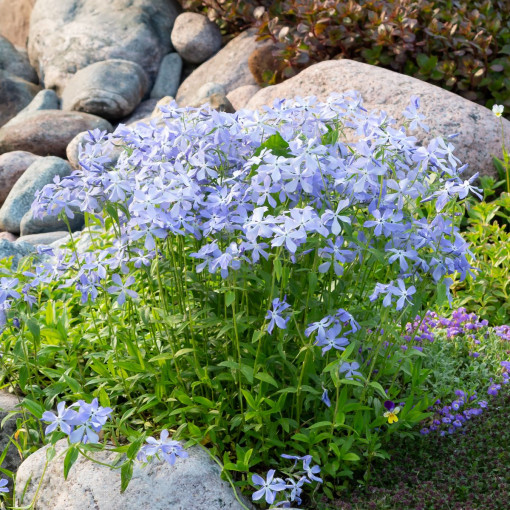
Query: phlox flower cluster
{"x": 82, "y": 422}
{"x": 287, "y": 490}
{"x": 249, "y": 185}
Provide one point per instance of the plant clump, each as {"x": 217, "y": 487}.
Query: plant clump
{"x": 247, "y": 286}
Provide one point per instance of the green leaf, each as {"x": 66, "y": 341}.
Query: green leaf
{"x": 505, "y": 49}
{"x": 229, "y": 297}
{"x": 33, "y": 407}
{"x": 276, "y": 144}
{"x": 70, "y": 459}
{"x": 250, "y": 400}
{"x": 126, "y": 473}
{"x": 72, "y": 383}
{"x": 104, "y": 399}
{"x": 351, "y": 457}
{"x": 262, "y": 376}
{"x": 134, "y": 447}
{"x": 50, "y": 453}
{"x": 277, "y": 265}
{"x": 377, "y": 386}
{"x": 35, "y": 329}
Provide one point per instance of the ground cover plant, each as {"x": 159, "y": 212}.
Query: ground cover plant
{"x": 247, "y": 288}
{"x": 467, "y": 471}
{"x": 462, "y": 46}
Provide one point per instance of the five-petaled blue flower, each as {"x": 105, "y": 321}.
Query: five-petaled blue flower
{"x": 349, "y": 369}
{"x": 275, "y": 317}
{"x": 122, "y": 288}
{"x": 269, "y": 487}
{"x": 165, "y": 447}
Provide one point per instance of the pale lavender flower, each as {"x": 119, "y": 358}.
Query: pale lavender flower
{"x": 64, "y": 419}
{"x": 325, "y": 398}
{"x": 275, "y": 317}
{"x": 311, "y": 471}
{"x": 349, "y": 369}
{"x": 269, "y": 487}
{"x": 167, "y": 448}
{"x": 122, "y": 288}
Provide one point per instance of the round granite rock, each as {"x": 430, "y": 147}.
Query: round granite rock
{"x": 69, "y": 35}
{"x": 195, "y": 38}
{"x": 21, "y": 196}
{"x": 111, "y": 89}
{"x": 48, "y": 132}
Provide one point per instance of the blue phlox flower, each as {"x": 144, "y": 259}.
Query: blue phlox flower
{"x": 84, "y": 433}
{"x": 64, "y": 419}
{"x": 7, "y": 288}
{"x": 402, "y": 293}
{"x": 274, "y": 316}
{"x": 334, "y": 219}
{"x": 319, "y": 327}
{"x": 332, "y": 340}
{"x": 295, "y": 487}
{"x": 311, "y": 471}
{"x": 411, "y": 113}
{"x": 122, "y": 288}
{"x": 3, "y": 485}
{"x": 167, "y": 448}
{"x": 325, "y": 398}
{"x": 350, "y": 369}
{"x": 269, "y": 487}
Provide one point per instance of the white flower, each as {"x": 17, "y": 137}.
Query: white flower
{"x": 497, "y": 109}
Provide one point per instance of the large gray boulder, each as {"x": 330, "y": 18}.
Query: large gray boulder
{"x": 68, "y": 36}
{"x": 111, "y": 89}
{"x": 46, "y": 99}
{"x": 48, "y": 132}
{"x": 17, "y": 250}
{"x": 194, "y": 483}
{"x": 15, "y": 62}
{"x": 446, "y": 113}
{"x": 12, "y": 167}
{"x": 229, "y": 67}
{"x": 21, "y": 196}
{"x": 169, "y": 77}
{"x": 15, "y": 94}
{"x": 195, "y": 38}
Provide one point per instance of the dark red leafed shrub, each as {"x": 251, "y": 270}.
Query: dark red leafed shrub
{"x": 460, "y": 45}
